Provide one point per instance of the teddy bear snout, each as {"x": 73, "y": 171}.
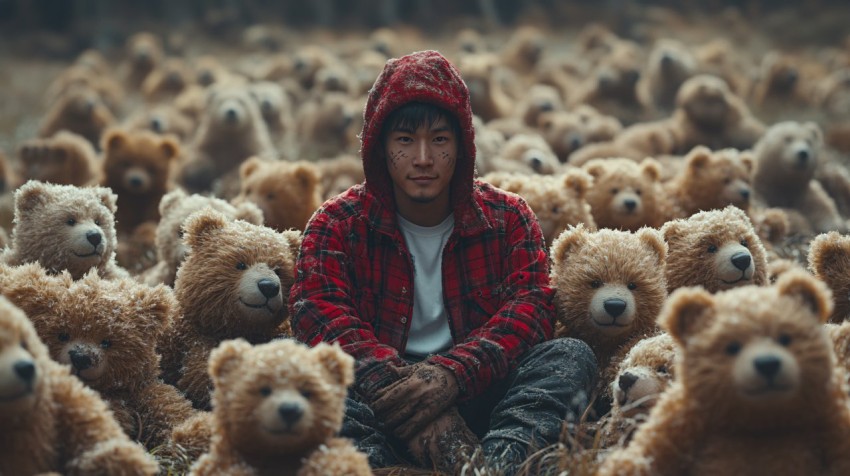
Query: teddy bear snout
{"x": 80, "y": 359}
{"x": 17, "y": 374}
{"x": 626, "y": 381}
{"x": 803, "y": 155}
{"x": 268, "y": 287}
{"x": 94, "y": 237}
{"x": 742, "y": 260}
{"x": 290, "y": 413}
{"x": 767, "y": 366}
{"x": 614, "y": 307}
{"x": 735, "y": 265}
{"x": 137, "y": 179}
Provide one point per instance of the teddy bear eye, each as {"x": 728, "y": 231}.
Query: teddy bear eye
{"x": 97, "y": 221}
{"x": 631, "y": 286}
{"x": 595, "y": 284}
{"x": 555, "y": 209}
{"x": 637, "y": 192}
{"x": 241, "y": 266}
{"x": 615, "y": 191}
{"x": 64, "y": 337}
{"x": 306, "y": 393}
{"x": 662, "y": 369}
{"x": 24, "y": 345}
{"x": 712, "y": 249}
{"x": 105, "y": 344}
{"x": 270, "y": 196}
{"x": 71, "y": 222}
{"x": 784, "y": 340}
{"x": 265, "y": 391}
{"x": 744, "y": 243}
{"x": 733, "y": 348}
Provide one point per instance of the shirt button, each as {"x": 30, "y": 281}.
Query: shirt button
{"x": 404, "y": 320}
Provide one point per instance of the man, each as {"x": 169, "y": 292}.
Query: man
{"x": 438, "y": 285}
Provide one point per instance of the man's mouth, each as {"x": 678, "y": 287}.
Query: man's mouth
{"x": 423, "y": 179}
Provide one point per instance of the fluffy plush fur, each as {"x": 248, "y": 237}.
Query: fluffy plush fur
{"x": 287, "y": 192}
{"x": 716, "y": 249}
{"x": 670, "y": 64}
{"x": 64, "y": 159}
{"x": 711, "y": 181}
{"x": 278, "y": 407}
{"x": 51, "y": 421}
{"x": 829, "y": 260}
{"x": 63, "y": 227}
{"x": 175, "y": 207}
{"x": 103, "y": 330}
{"x": 82, "y": 111}
{"x": 234, "y": 283}
{"x": 756, "y": 389}
{"x": 339, "y": 174}
{"x": 626, "y": 195}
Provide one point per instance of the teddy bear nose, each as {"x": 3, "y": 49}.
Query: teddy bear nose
{"x": 156, "y": 125}
{"x": 803, "y": 155}
{"x": 745, "y": 193}
{"x": 536, "y": 163}
{"x": 94, "y": 237}
{"x": 630, "y": 204}
{"x": 768, "y": 366}
{"x": 546, "y": 106}
{"x": 627, "y": 380}
{"x": 289, "y": 413}
{"x": 575, "y": 141}
{"x": 741, "y": 260}
{"x": 666, "y": 60}
{"x": 79, "y": 360}
{"x": 230, "y": 115}
{"x": 268, "y": 287}
{"x": 25, "y": 369}
{"x": 614, "y": 307}
{"x": 136, "y": 181}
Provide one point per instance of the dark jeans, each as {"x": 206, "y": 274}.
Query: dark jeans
{"x": 525, "y": 410}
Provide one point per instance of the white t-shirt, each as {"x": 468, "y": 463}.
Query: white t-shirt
{"x": 429, "y": 328}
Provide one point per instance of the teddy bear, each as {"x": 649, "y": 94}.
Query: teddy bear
{"x": 669, "y": 65}
{"x": 276, "y": 110}
{"x": 643, "y": 373}
{"x": 568, "y": 131}
{"x": 167, "y": 80}
{"x": 144, "y": 54}
{"x": 325, "y": 126}
{"x": 558, "y": 201}
{"x": 828, "y": 259}
{"x": 625, "y": 194}
{"x": 539, "y": 99}
{"x": 278, "y": 408}
{"x": 708, "y": 113}
{"x": 486, "y": 79}
{"x": 716, "y": 249}
{"x": 526, "y": 153}
{"x": 711, "y": 180}
{"x": 174, "y": 208}
{"x": 287, "y": 192}
{"x": 234, "y": 283}
{"x": 231, "y": 130}
{"x": 80, "y": 110}
{"x": 164, "y": 119}
{"x": 757, "y": 390}
{"x": 53, "y": 423}
{"x": 10, "y": 180}
{"x": 340, "y": 173}
{"x": 65, "y": 158}
{"x": 63, "y": 227}
{"x": 87, "y": 76}
{"x": 609, "y": 287}
{"x": 786, "y": 159}
{"x": 102, "y": 329}
{"x": 780, "y": 84}
{"x": 137, "y": 168}
{"x": 524, "y": 49}
{"x": 611, "y": 87}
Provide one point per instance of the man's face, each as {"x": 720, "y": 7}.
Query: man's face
{"x": 421, "y": 163}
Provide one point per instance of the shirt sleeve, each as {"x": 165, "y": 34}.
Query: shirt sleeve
{"x": 525, "y": 319}
{"x": 321, "y": 306}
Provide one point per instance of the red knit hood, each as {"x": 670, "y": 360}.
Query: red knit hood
{"x": 426, "y": 77}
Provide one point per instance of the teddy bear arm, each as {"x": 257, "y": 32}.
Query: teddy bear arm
{"x": 821, "y": 210}
{"x": 194, "y": 380}
{"x": 162, "y": 407}
{"x": 337, "y": 456}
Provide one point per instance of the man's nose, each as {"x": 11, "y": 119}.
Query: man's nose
{"x": 424, "y": 155}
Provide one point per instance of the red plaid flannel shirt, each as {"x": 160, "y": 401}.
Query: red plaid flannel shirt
{"x": 354, "y": 286}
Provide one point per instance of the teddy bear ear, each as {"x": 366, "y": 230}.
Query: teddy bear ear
{"x": 249, "y": 212}
{"x": 671, "y": 230}
{"x": 569, "y": 241}
{"x": 748, "y": 160}
{"x": 201, "y": 224}
{"x": 306, "y": 175}
{"x": 815, "y": 131}
{"x": 829, "y": 254}
{"x": 170, "y": 148}
{"x": 293, "y": 240}
{"x": 579, "y": 181}
{"x": 160, "y": 304}
{"x": 170, "y": 200}
{"x": 28, "y": 334}
{"x": 686, "y": 312}
{"x": 227, "y": 357}
{"x": 651, "y": 169}
{"x": 114, "y": 140}
{"x": 812, "y": 292}
{"x": 32, "y": 289}
{"x": 595, "y": 168}
{"x": 107, "y": 198}
{"x": 249, "y": 167}
{"x": 698, "y": 158}
{"x": 652, "y": 238}
{"x": 31, "y": 195}
{"x": 338, "y": 365}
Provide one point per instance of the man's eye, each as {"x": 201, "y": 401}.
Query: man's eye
{"x": 441, "y": 139}
{"x": 405, "y": 140}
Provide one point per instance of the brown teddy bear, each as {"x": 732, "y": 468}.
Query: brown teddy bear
{"x": 526, "y": 153}
{"x": 716, "y": 249}
{"x": 234, "y": 283}
{"x": 137, "y": 167}
{"x": 80, "y": 110}
{"x": 757, "y": 390}
{"x": 642, "y": 376}
{"x": 785, "y": 162}
{"x": 167, "y": 80}
{"x": 82, "y": 75}
{"x": 325, "y": 126}
{"x": 669, "y": 65}
{"x": 63, "y": 227}
{"x": 51, "y": 422}
{"x": 276, "y": 109}
{"x": 278, "y": 407}
{"x": 558, "y": 201}
{"x": 287, "y": 192}
{"x": 829, "y": 260}
{"x": 626, "y": 195}
{"x": 339, "y": 174}
{"x": 609, "y": 287}
{"x": 174, "y": 208}
{"x": 144, "y": 54}
{"x": 611, "y": 87}
{"x": 484, "y": 75}
{"x": 65, "y": 159}
{"x": 711, "y": 180}
{"x": 568, "y": 131}
{"x": 231, "y": 131}
{"x": 164, "y": 119}
{"x": 103, "y": 330}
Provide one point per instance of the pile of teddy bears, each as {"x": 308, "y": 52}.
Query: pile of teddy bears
{"x": 151, "y": 232}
